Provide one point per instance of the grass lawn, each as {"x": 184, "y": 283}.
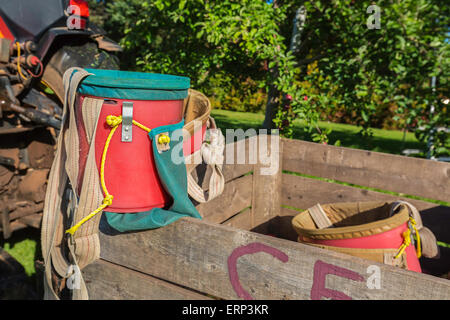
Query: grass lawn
{"x": 389, "y": 141}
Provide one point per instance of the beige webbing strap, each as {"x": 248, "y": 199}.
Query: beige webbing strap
{"x": 212, "y": 154}
{"x": 428, "y": 240}
{"x": 319, "y": 217}
{"x": 87, "y": 244}
{"x": 52, "y": 231}
{"x": 413, "y": 212}
{"x": 84, "y": 247}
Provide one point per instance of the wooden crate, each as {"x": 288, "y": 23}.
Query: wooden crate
{"x": 243, "y": 247}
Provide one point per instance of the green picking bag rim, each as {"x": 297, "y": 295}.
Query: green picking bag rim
{"x": 134, "y": 85}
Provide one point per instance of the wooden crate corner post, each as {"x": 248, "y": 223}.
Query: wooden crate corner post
{"x": 267, "y": 174}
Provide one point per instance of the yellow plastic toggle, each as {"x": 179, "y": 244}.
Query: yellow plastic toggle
{"x": 163, "y": 139}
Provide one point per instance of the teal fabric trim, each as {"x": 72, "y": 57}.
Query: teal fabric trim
{"x": 167, "y": 128}
{"x": 174, "y": 179}
{"x": 135, "y": 80}
{"x": 132, "y": 94}
{"x": 134, "y": 85}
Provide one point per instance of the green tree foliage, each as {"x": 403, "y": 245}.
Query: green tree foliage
{"x": 367, "y": 70}
{"x": 221, "y": 42}
{"x": 341, "y": 66}
{"x": 223, "y": 46}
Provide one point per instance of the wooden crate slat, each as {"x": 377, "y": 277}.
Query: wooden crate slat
{"x": 266, "y": 198}
{"x": 107, "y": 281}
{"x": 236, "y": 197}
{"x": 303, "y": 193}
{"x": 197, "y": 254}
{"x": 243, "y": 220}
{"x": 401, "y": 174}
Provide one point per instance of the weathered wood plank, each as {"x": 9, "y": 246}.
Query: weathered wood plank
{"x": 303, "y": 193}
{"x": 243, "y": 220}
{"x": 266, "y": 198}
{"x": 107, "y": 281}
{"x": 401, "y": 174}
{"x": 236, "y": 196}
{"x": 204, "y": 257}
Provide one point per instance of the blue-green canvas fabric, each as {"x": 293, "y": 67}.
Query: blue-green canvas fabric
{"x": 130, "y": 85}
{"x": 174, "y": 179}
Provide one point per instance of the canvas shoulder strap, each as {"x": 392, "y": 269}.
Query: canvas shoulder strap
{"x": 84, "y": 247}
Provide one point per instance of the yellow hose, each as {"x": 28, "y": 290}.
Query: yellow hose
{"x": 19, "y": 69}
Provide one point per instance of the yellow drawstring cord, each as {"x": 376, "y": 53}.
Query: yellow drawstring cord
{"x": 419, "y": 245}
{"x": 405, "y": 244}
{"x": 113, "y": 122}
{"x": 407, "y": 240}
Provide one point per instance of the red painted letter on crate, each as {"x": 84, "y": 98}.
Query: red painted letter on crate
{"x": 249, "y": 249}
{"x": 321, "y": 269}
